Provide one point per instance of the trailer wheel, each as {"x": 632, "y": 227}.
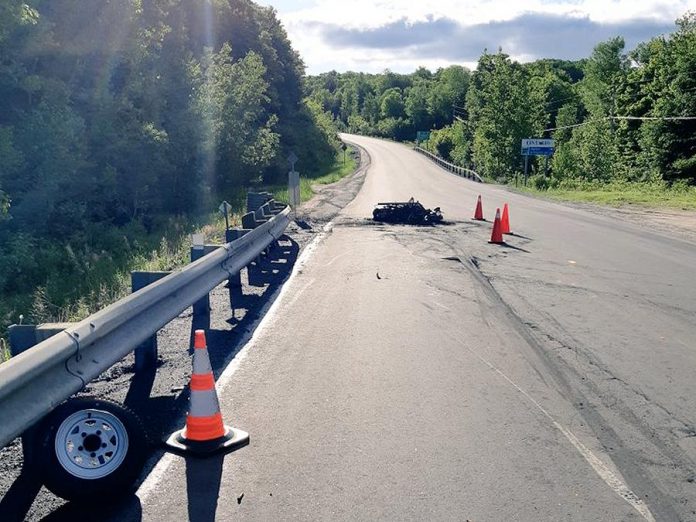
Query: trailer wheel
{"x": 90, "y": 450}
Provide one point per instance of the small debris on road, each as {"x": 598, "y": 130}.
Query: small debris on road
{"x": 378, "y": 276}
{"x": 239, "y": 498}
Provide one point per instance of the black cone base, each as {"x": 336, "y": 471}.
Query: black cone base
{"x": 232, "y": 439}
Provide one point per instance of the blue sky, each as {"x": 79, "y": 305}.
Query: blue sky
{"x": 372, "y": 35}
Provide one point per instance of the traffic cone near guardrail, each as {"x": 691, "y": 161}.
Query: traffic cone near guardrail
{"x": 205, "y": 433}
{"x": 497, "y": 234}
{"x": 478, "y": 214}
{"x": 505, "y": 221}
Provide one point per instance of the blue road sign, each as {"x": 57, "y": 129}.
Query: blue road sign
{"x": 537, "y": 147}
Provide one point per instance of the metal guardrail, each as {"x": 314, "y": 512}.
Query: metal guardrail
{"x": 459, "y": 171}
{"x": 34, "y": 382}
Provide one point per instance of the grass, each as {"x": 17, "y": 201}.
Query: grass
{"x": 172, "y": 252}
{"x": 4, "y": 350}
{"x": 616, "y": 194}
{"x": 339, "y": 171}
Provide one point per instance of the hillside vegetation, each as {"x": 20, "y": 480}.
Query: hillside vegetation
{"x": 122, "y": 122}
{"x": 612, "y": 114}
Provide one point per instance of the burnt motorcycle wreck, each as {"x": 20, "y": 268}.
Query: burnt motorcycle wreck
{"x": 410, "y": 212}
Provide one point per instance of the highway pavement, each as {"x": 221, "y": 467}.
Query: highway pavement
{"x": 421, "y": 373}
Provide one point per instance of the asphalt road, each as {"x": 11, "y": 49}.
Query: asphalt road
{"x": 420, "y": 373}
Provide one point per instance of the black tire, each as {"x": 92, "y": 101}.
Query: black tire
{"x": 120, "y": 450}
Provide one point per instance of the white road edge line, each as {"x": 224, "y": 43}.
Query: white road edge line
{"x": 608, "y": 476}
{"x": 157, "y": 475}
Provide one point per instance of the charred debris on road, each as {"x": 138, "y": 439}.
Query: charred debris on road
{"x": 409, "y": 212}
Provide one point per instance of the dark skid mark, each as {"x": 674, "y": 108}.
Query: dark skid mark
{"x": 356, "y": 222}
{"x": 564, "y": 375}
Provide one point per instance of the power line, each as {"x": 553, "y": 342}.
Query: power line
{"x": 666, "y": 118}
{"x": 633, "y": 118}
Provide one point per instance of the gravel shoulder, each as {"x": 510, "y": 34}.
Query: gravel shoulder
{"x": 677, "y": 223}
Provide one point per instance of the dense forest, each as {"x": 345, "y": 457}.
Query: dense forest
{"x": 118, "y": 116}
{"x": 615, "y": 115}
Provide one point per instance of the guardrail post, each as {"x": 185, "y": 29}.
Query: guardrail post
{"x": 249, "y": 221}
{"x": 266, "y": 211}
{"x": 201, "y": 308}
{"x": 256, "y": 199}
{"x": 21, "y": 337}
{"x": 24, "y": 336}
{"x": 235, "y": 280}
{"x": 146, "y": 353}
{"x": 259, "y": 216}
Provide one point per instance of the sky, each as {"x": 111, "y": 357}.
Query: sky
{"x": 401, "y": 35}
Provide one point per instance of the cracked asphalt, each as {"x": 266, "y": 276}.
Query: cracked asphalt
{"x": 421, "y": 373}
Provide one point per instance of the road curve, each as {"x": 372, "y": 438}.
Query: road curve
{"x": 418, "y": 373}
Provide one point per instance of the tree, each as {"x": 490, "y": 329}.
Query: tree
{"x": 500, "y": 115}
{"x": 596, "y": 142}
{"x": 116, "y": 117}
{"x": 448, "y": 90}
{"x": 416, "y": 106}
{"x": 604, "y": 72}
{"x": 238, "y": 134}
{"x": 666, "y": 74}
{"x": 392, "y": 104}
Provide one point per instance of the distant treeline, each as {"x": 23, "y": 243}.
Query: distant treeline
{"x": 479, "y": 118}
{"x": 117, "y": 115}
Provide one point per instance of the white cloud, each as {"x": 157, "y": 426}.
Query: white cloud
{"x": 306, "y": 22}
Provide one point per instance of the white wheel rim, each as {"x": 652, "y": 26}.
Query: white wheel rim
{"x": 91, "y": 444}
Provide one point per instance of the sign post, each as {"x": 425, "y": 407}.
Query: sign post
{"x": 225, "y": 208}
{"x": 535, "y": 147}
{"x": 293, "y": 183}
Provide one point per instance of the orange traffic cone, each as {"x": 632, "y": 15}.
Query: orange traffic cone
{"x": 505, "y": 221}
{"x": 205, "y": 433}
{"x": 497, "y": 235}
{"x": 478, "y": 214}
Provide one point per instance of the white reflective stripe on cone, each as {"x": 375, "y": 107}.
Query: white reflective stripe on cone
{"x": 201, "y": 362}
{"x": 203, "y": 403}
